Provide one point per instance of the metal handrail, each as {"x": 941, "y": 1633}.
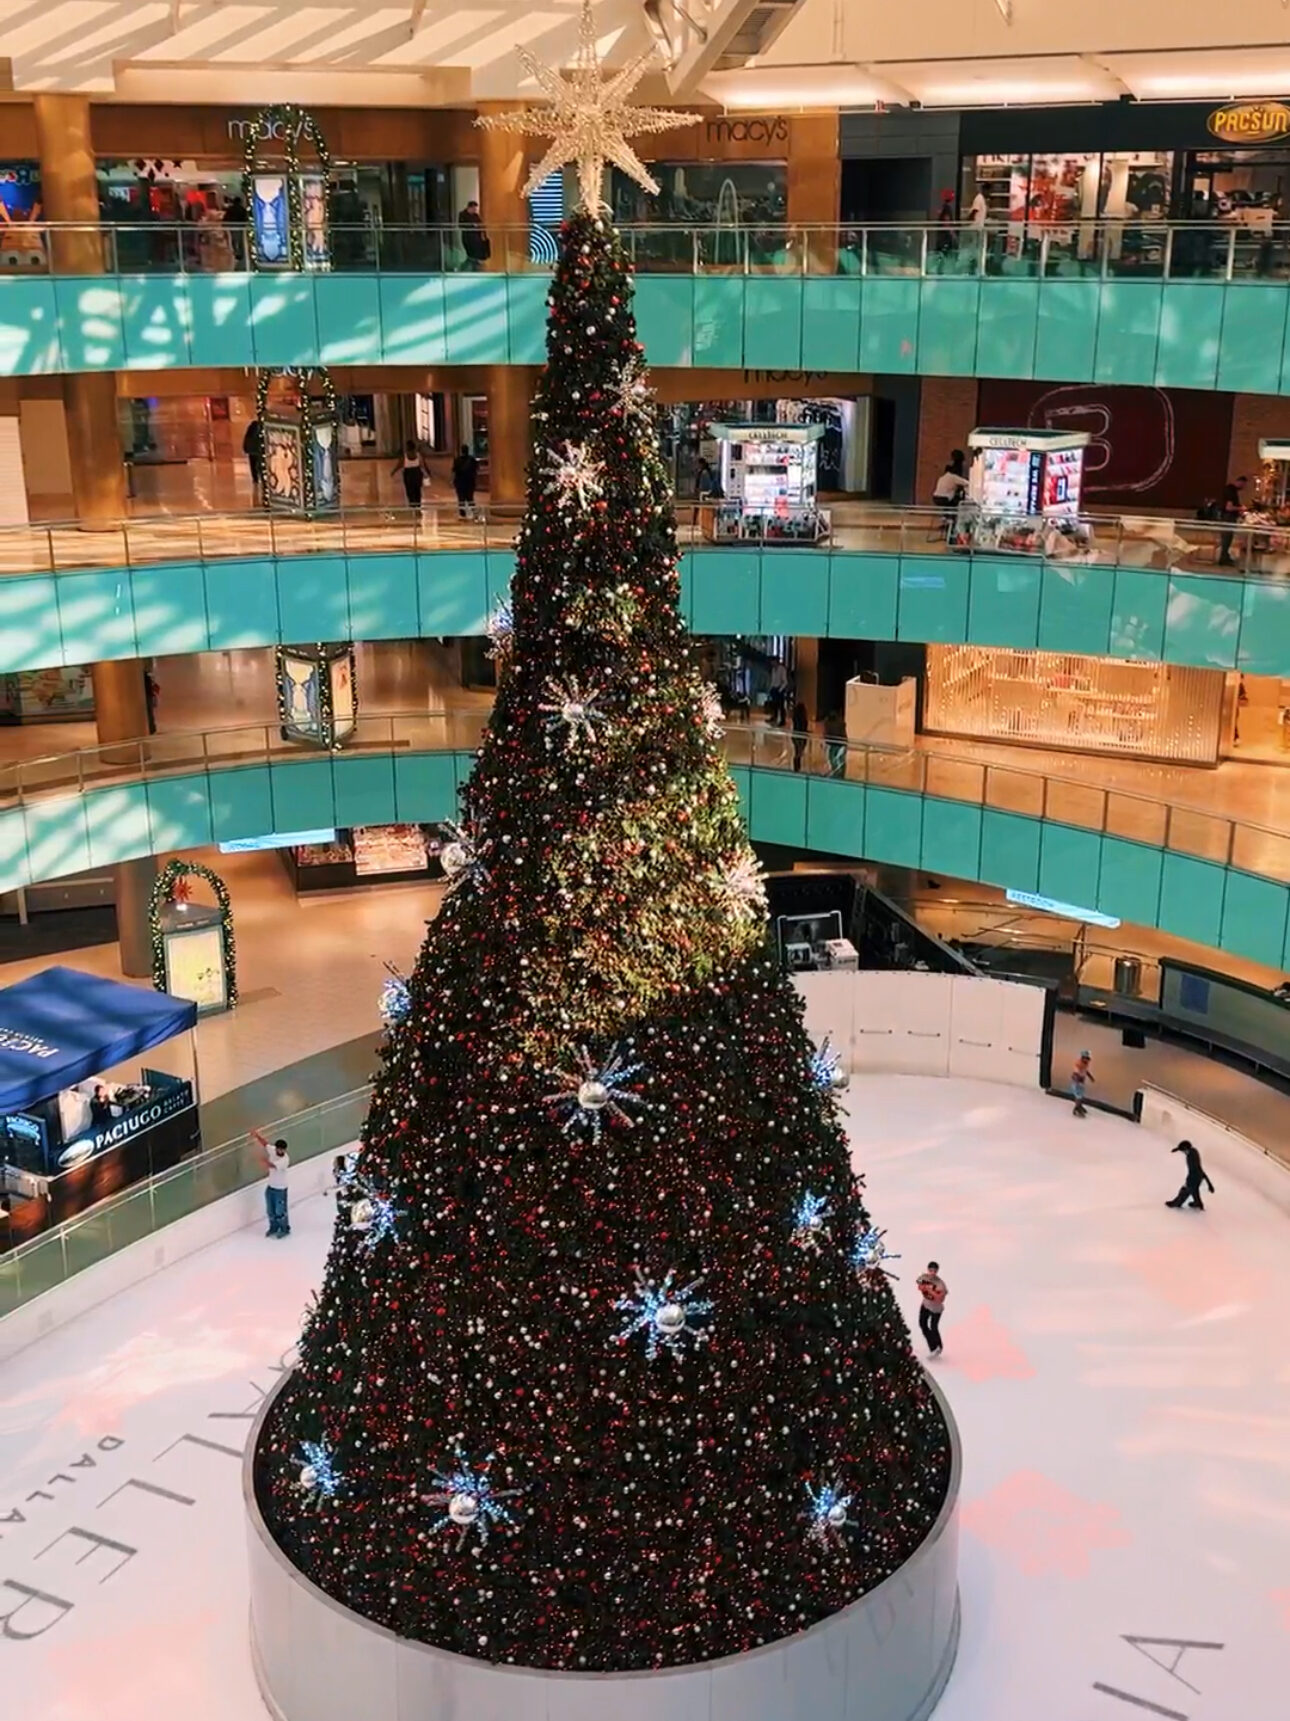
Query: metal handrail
{"x": 1107, "y": 248}
{"x": 1152, "y": 544}
{"x": 213, "y": 1173}
{"x": 939, "y": 773}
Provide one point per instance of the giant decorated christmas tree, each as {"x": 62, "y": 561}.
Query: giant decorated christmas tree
{"x": 606, "y": 1371}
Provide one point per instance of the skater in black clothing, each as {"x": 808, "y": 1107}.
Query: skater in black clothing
{"x": 1196, "y": 1176}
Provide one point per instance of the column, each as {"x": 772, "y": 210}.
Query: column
{"x": 510, "y": 430}
{"x": 68, "y": 186}
{"x": 815, "y": 186}
{"x": 121, "y": 714}
{"x": 503, "y": 168}
{"x": 94, "y": 448}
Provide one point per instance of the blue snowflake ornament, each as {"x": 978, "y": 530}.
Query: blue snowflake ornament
{"x": 470, "y": 1502}
{"x": 596, "y": 1092}
{"x": 827, "y": 1513}
{"x": 318, "y": 1475}
{"x": 395, "y": 1002}
{"x": 825, "y": 1067}
{"x": 810, "y": 1218}
{"x": 373, "y": 1214}
{"x": 667, "y": 1314}
{"x": 500, "y": 628}
{"x": 870, "y": 1254}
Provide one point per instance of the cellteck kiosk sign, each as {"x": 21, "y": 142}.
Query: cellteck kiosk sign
{"x": 1249, "y": 123}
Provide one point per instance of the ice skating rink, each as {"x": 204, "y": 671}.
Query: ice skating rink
{"x": 1120, "y": 1374}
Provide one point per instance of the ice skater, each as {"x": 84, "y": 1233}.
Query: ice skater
{"x": 1196, "y": 1175}
{"x": 277, "y": 1162}
{"x": 1080, "y": 1076}
{"x": 933, "y": 1290}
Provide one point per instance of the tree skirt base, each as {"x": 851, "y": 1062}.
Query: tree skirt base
{"x": 886, "y": 1657}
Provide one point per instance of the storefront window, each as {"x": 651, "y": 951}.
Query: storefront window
{"x": 1238, "y": 184}
{"x": 1060, "y": 189}
{"x": 706, "y": 194}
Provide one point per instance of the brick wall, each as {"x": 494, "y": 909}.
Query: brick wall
{"x": 1253, "y": 416}
{"x": 948, "y": 411}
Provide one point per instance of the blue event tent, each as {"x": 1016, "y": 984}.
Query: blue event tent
{"x": 61, "y": 1026}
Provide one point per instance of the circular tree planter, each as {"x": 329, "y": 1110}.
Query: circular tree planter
{"x": 887, "y": 1657}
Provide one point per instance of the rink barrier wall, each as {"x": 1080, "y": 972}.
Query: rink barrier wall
{"x": 1210, "y": 620}
{"x": 887, "y": 1657}
{"x": 1153, "y": 333}
{"x": 912, "y": 1024}
{"x": 1175, "y": 1120}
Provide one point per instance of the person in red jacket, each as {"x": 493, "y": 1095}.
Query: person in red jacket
{"x": 933, "y": 1291}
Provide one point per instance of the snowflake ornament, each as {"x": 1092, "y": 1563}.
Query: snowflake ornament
{"x": 500, "y": 628}
{"x": 395, "y": 1003}
{"x": 461, "y": 857}
{"x": 574, "y": 476}
{"x": 711, "y": 714}
{"x": 469, "y": 1501}
{"x": 870, "y": 1254}
{"x": 594, "y": 1094}
{"x": 827, "y": 1513}
{"x": 568, "y": 707}
{"x": 743, "y": 884}
{"x": 375, "y": 1216}
{"x": 318, "y": 1475}
{"x": 633, "y": 397}
{"x": 826, "y": 1069}
{"x": 810, "y": 1218}
{"x": 665, "y": 1313}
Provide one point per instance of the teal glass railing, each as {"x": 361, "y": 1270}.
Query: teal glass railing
{"x": 1115, "y": 249}
{"x": 1261, "y": 546}
{"x": 49, "y": 1260}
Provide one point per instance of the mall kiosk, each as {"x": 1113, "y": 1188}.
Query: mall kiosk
{"x": 768, "y": 483}
{"x": 1024, "y": 491}
{"x": 71, "y": 1134}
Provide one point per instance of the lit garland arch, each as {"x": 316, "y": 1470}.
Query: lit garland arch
{"x": 273, "y": 147}
{"x": 162, "y": 893}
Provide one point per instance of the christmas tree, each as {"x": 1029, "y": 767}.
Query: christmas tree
{"x": 605, "y": 1371}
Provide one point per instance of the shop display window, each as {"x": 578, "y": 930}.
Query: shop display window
{"x": 1054, "y": 699}
{"x": 705, "y": 194}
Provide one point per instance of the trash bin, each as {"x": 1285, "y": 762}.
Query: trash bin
{"x": 1128, "y": 976}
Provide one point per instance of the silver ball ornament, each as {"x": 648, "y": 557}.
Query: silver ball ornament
{"x": 593, "y": 1096}
{"x": 839, "y": 1080}
{"x": 837, "y": 1516}
{"x": 670, "y": 1319}
{"x": 308, "y": 1478}
{"x": 361, "y": 1215}
{"x": 454, "y": 858}
{"x": 463, "y": 1509}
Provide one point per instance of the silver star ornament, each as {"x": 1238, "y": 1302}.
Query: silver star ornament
{"x": 590, "y": 118}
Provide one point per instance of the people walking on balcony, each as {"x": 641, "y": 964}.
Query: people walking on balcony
{"x": 465, "y": 476}
{"x": 412, "y": 467}
{"x": 253, "y": 448}
{"x": 1196, "y": 1176}
{"x": 777, "y": 694}
{"x": 947, "y": 232}
{"x": 1231, "y": 511}
{"x": 801, "y": 734}
{"x": 1081, "y": 1075}
{"x": 474, "y": 241}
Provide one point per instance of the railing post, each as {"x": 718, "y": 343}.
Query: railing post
{"x": 1231, "y": 253}
{"x": 922, "y": 251}
{"x": 1169, "y": 253}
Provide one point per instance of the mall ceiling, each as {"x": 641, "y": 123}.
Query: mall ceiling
{"x": 768, "y": 54}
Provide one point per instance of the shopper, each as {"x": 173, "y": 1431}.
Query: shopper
{"x": 414, "y": 471}
{"x": 474, "y": 241}
{"x": 235, "y": 222}
{"x": 151, "y": 694}
{"x": 707, "y": 486}
{"x": 1196, "y": 1176}
{"x": 1080, "y": 1076}
{"x": 1231, "y": 510}
{"x": 801, "y": 734}
{"x": 947, "y": 229}
{"x": 777, "y": 694}
{"x": 465, "y": 476}
{"x": 253, "y": 448}
{"x": 933, "y": 1290}
{"x": 277, "y": 1163}
{"x": 979, "y": 211}
{"x": 949, "y": 487}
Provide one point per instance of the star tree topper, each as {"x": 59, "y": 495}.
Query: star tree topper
{"x": 590, "y": 118}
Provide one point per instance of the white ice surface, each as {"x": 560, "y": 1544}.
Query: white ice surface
{"x": 1119, "y": 1372}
